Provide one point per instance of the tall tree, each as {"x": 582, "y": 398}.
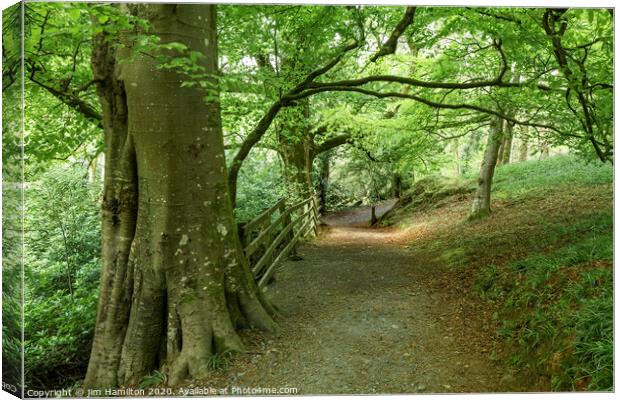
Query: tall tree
{"x": 175, "y": 284}
{"x": 481, "y": 206}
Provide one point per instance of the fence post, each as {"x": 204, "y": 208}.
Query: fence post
{"x": 291, "y": 235}
{"x": 315, "y": 215}
{"x": 268, "y": 238}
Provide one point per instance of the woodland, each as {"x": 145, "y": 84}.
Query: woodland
{"x": 153, "y": 133}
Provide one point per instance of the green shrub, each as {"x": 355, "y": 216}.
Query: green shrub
{"x": 62, "y": 276}
{"x": 259, "y": 187}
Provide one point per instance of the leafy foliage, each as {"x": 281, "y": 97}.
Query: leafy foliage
{"x": 12, "y": 203}
{"x": 62, "y": 275}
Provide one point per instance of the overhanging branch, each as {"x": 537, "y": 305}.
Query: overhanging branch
{"x": 332, "y": 143}
{"x": 434, "y": 104}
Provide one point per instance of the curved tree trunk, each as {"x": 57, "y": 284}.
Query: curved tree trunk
{"x": 118, "y": 211}
{"x": 175, "y": 284}
{"x": 481, "y": 206}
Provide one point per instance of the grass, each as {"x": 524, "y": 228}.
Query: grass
{"x": 215, "y": 362}
{"x": 219, "y": 361}
{"x": 521, "y": 179}
{"x": 542, "y": 262}
{"x": 154, "y": 379}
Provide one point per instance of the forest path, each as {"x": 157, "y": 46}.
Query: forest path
{"x": 359, "y": 317}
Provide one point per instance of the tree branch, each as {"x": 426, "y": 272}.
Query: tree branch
{"x": 264, "y": 123}
{"x": 550, "y": 17}
{"x": 322, "y": 70}
{"x": 331, "y": 143}
{"x": 247, "y": 145}
{"x": 497, "y": 82}
{"x": 497, "y": 16}
{"x": 434, "y": 104}
{"x": 389, "y": 47}
{"x": 74, "y": 102}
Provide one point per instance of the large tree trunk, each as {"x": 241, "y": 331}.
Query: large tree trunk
{"x": 296, "y": 146}
{"x": 481, "y": 206}
{"x": 119, "y": 211}
{"x": 175, "y": 283}
{"x": 297, "y": 169}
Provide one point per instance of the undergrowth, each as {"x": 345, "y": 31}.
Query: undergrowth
{"x": 154, "y": 379}
{"x": 555, "y": 309}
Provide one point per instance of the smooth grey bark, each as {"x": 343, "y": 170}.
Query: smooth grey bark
{"x": 175, "y": 284}
{"x": 481, "y": 206}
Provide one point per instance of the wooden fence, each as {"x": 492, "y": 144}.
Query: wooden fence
{"x": 273, "y": 235}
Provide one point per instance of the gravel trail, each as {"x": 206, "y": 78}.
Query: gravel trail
{"x": 359, "y": 317}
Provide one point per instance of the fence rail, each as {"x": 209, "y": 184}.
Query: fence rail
{"x": 270, "y": 237}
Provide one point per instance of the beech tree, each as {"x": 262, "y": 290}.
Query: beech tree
{"x": 481, "y": 206}
{"x": 175, "y": 285}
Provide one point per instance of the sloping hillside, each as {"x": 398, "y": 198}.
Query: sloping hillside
{"x": 542, "y": 263}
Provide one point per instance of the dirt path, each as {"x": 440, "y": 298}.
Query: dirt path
{"x": 359, "y": 318}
